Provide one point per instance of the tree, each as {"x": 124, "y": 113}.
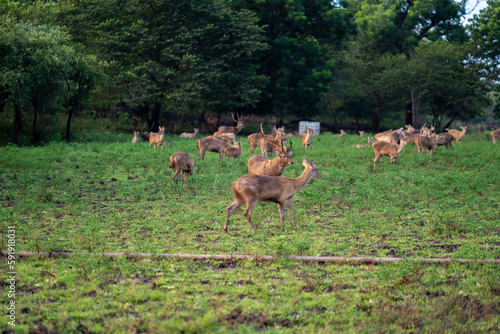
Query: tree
{"x": 37, "y": 62}
{"x": 171, "y": 56}
{"x": 485, "y": 34}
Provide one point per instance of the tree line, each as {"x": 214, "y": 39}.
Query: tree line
{"x": 157, "y": 59}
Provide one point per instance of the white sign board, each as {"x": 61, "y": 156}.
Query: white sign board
{"x": 303, "y": 125}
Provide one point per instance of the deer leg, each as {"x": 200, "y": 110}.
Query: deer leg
{"x": 176, "y": 175}
{"x": 281, "y": 207}
{"x": 232, "y": 208}
{"x": 248, "y": 212}
{"x": 202, "y": 155}
{"x": 220, "y": 155}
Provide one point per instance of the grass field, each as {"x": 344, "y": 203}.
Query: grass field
{"x": 118, "y": 197}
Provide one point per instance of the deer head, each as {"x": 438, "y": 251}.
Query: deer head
{"x": 284, "y": 153}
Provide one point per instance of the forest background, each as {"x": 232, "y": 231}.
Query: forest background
{"x": 352, "y": 64}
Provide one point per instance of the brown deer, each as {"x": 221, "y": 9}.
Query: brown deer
{"x": 306, "y": 138}
{"x": 457, "y": 135}
{"x": 260, "y": 165}
{"x": 233, "y": 151}
{"x": 156, "y": 138}
{"x": 361, "y": 133}
{"x": 228, "y": 137}
{"x": 427, "y": 131}
{"x": 232, "y": 129}
{"x": 425, "y": 143}
{"x": 212, "y": 123}
{"x": 495, "y": 135}
{"x": 443, "y": 139}
{"x": 342, "y": 132}
{"x": 135, "y": 140}
{"x": 189, "y": 135}
{"x": 256, "y": 139}
{"x": 181, "y": 162}
{"x": 211, "y": 145}
{"x": 250, "y": 189}
{"x": 381, "y": 148}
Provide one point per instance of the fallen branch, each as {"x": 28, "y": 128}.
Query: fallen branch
{"x": 342, "y": 259}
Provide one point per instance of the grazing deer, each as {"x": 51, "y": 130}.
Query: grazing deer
{"x": 457, "y": 135}
{"x": 225, "y": 136}
{"x": 250, "y": 189}
{"x": 260, "y": 165}
{"x": 306, "y": 138}
{"x": 232, "y": 129}
{"x": 189, "y": 135}
{"x": 211, "y": 145}
{"x": 443, "y": 139}
{"x": 135, "y": 140}
{"x": 233, "y": 151}
{"x": 256, "y": 139}
{"x": 181, "y": 162}
{"x": 495, "y": 135}
{"x": 381, "y": 148}
{"x": 425, "y": 143}
{"x": 156, "y": 138}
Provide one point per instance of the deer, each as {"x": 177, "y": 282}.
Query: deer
{"x": 250, "y": 189}
{"x": 306, "y": 138}
{"x": 256, "y": 139}
{"x": 426, "y": 131}
{"x": 233, "y": 151}
{"x": 135, "y": 140}
{"x": 342, "y": 132}
{"x": 370, "y": 141}
{"x": 457, "y": 135}
{"x": 232, "y": 129}
{"x": 228, "y": 137}
{"x": 495, "y": 135}
{"x": 189, "y": 135}
{"x": 425, "y": 143}
{"x": 260, "y": 165}
{"x": 181, "y": 162}
{"x": 381, "y": 148}
{"x": 211, "y": 145}
{"x": 443, "y": 139}
{"x": 361, "y": 133}
{"x": 212, "y": 123}
{"x": 156, "y": 138}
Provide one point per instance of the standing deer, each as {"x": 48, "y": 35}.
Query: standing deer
{"x": 256, "y": 139}
{"x": 306, "y": 138}
{"x": 189, "y": 135}
{"x": 495, "y": 135}
{"x": 181, "y": 162}
{"x": 135, "y": 140}
{"x": 260, "y": 165}
{"x": 425, "y": 143}
{"x": 232, "y": 129}
{"x": 457, "y": 135}
{"x": 250, "y": 189}
{"x": 381, "y": 148}
{"x": 211, "y": 145}
{"x": 156, "y": 138}
{"x": 233, "y": 151}
{"x": 361, "y": 133}
{"x": 441, "y": 139}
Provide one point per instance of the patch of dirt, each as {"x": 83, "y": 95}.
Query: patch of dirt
{"x": 237, "y": 317}
{"x": 330, "y": 288}
{"x": 42, "y": 330}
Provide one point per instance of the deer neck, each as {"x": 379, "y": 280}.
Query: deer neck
{"x": 303, "y": 179}
{"x": 401, "y": 146}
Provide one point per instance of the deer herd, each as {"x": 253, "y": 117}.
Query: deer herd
{"x": 265, "y": 182}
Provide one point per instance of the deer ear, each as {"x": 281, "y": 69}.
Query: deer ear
{"x": 312, "y": 163}
{"x": 304, "y": 162}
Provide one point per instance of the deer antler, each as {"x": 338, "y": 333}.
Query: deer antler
{"x": 232, "y": 115}
{"x": 270, "y": 142}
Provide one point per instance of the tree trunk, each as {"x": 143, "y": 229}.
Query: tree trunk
{"x": 375, "y": 119}
{"x": 155, "y": 117}
{"x": 17, "y": 124}
{"x": 33, "y": 126}
{"x": 68, "y": 123}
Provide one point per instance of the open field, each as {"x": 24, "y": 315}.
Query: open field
{"x": 119, "y": 197}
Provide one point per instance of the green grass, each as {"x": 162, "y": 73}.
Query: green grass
{"x": 119, "y": 197}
